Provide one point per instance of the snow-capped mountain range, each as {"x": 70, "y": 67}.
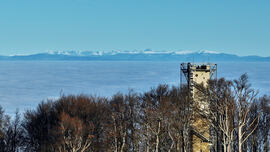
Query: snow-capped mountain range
{"x": 145, "y": 55}
{"x": 115, "y": 52}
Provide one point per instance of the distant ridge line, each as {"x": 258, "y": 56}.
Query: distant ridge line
{"x": 147, "y": 55}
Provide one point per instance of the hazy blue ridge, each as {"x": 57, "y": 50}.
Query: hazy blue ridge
{"x": 137, "y": 56}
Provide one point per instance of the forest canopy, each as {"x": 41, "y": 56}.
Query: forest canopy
{"x": 157, "y": 120}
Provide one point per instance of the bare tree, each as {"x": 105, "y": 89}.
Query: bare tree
{"x": 37, "y": 126}
{"x": 264, "y": 127}
{"x": 119, "y": 120}
{"x": 225, "y": 122}
{"x": 174, "y": 121}
{"x": 244, "y": 97}
{"x": 124, "y": 116}
{"x": 13, "y": 134}
{"x": 4, "y": 124}
{"x": 254, "y": 139}
{"x": 222, "y": 111}
{"x": 186, "y": 117}
{"x": 73, "y": 135}
{"x": 154, "y": 115}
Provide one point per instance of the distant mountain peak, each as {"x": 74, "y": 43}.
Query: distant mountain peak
{"x": 208, "y": 52}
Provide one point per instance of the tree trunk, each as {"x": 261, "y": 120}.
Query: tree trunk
{"x": 178, "y": 146}
{"x": 171, "y": 137}
{"x": 240, "y": 139}
{"x": 147, "y": 140}
{"x": 232, "y": 146}
{"x": 157, "y": 137}
{"x": 224, "y": 143}
{"x": 115, "y": 137}
{"x": 123, "y": 142}
{"x": 186, "y": 137}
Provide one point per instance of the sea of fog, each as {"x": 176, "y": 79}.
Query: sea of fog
{"x": 24, "y": 84}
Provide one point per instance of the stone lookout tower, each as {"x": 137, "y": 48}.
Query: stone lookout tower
{"x": 199, "y": 74}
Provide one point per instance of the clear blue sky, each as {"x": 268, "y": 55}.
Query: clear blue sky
{"x": 231, "y": 26}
